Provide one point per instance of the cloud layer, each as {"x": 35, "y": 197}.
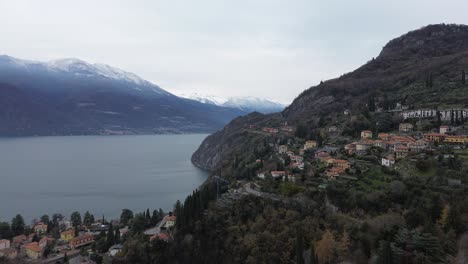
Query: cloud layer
{"x": 273, "y": 49}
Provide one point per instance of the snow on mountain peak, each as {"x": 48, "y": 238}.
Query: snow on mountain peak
{"x": 78, "y": 66}
{"x": 245, "y": 103}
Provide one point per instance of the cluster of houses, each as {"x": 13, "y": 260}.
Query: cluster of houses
{"x": 23, "y": 245}
{"x": 275, "y": 130}
{"x": 335, "y": 167}
{"x": 445, "y": 115}
{"x": 163, "y": 229}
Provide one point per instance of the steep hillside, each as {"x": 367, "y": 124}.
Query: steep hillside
{"x": 73, "y": 97}
{"x": 422, "y": 68}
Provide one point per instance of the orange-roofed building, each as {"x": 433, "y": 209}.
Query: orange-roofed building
{"x": 339, "y": 163}
{"x": 436, "y": 137}
{"x": 40, "y": 228}
{"x": 276, "y": 174}
{"x": 33, "y": 250}
{"x": 19, "y": 240}
{"x": 383, "y": 136}
{"x": 81, "y": 241}
{"x": 401, "y": 152}
{"x": 334, "y": 172}
{"x": 161, "y": 236}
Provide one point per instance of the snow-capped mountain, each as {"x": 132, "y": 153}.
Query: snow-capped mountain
{"x": 72, "y": 67}
{"x": 71, "y": 96}
{"x": 247, "y": 104}
{"x": 206, "y": 99}
{"x": 251, "y": 104}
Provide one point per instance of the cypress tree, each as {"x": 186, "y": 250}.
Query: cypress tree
{"x": 430, "y": 80}
{"x": 147, "y": 215}
{"x": 299, "y": 247}
{"x": 313, "y": 255}
{"x": 110, "y": 237}
{"x": 386, "y": 254}
{"x": 452, "y": 117}
{"x": 117, "y": 236}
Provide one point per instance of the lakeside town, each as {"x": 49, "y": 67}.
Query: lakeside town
{"x": 79, "y": 240}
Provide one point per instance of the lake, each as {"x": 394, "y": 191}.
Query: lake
{"x": 102, "y": 174}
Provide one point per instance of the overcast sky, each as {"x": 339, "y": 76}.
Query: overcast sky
{"x": 264, "y": 48}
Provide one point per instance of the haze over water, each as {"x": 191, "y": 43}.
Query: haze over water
{"x": 102, "y": 174}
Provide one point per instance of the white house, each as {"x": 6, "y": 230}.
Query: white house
{"x": 388, "y": 161}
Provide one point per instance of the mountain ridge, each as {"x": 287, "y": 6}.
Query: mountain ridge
{"x": 398, "y": 75}
{"x": 82, "y": 98}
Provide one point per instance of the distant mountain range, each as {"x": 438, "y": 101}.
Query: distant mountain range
{"x": 247, "y": 104}
{"x": 73, "y": 97}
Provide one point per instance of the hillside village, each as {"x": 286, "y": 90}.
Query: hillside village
{"x": 334, "y": 156}
{"x": 62, "y": 240}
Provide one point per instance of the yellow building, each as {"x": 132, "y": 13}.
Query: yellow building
{"x": 366, "y": 134}
{"x": 33, "y": 250}
{"x": 310, "y": 144}
{"x": 67, "y": 235}
{"x": 9, "y": 253}
{"x": 456, "y": 139}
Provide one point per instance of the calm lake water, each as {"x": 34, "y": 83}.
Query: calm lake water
{"x": 102, "y": 174}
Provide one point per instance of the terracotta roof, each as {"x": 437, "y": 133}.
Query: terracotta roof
{"x": 162, "y": 236}
{"x": 341, "y": 161}
{"x": 402, "y": 148}
{"x": 278, "y": 172}
{"x": 20, "y": 237}
{"x": 435, "y": 134}
{"x": 171, "y": 218}
{"x": 33, "y": 246}
{"x": 69, "y": 231}
{"x": 76, "y": 239}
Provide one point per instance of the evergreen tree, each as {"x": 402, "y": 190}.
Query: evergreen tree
{"x": 117, "y": 236}
{"x": 439, "y": 119}
{"x": 88, "y": 219}
{"x": 386, "y": 254}
{"x": 299, "y": 247}
{"x": 452, "y": 117}
{"x": 5, "y": 231}
{"x": 463, "y": 77}
{"x": 371, "y": 104}
{"x": 126, "y": 216}
{"x": 75, "y": 219}
{"x": 110, "y": 236}
{"x": 77, "y": 233}
{"x": 17, "y": 225}
{"x": 313, "y": 255}
{"x": 35, "y": 238}
{"x": 430, "y": 80}
{"x": 45, "y": 219}
{"x": 147, "y": 215}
